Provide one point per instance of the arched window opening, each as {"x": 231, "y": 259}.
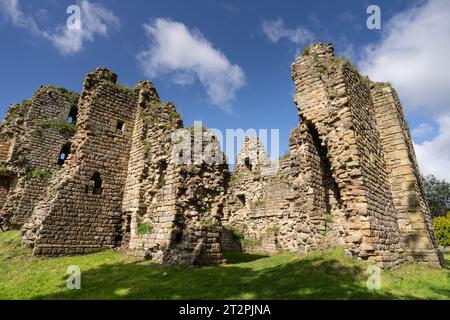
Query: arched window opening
{"x": 65, "y": 151}
{"x": 72, "y": 118}
{"x": 95, "y": 184}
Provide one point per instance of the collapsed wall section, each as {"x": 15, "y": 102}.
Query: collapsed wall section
{"x": 34, "y": 134}
{"x": 11, "y": 128}
{"x": 81, "y": 211}
{"x": 293, "y": 206}
{"x": 172, "y": 207}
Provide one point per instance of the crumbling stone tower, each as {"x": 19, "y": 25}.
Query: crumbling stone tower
{"x": 180, "y": 200}
{"x": 114, "y": 167}
{"x": 34, "y": 141}
{"x": 351, "y": 177}
{"x": 115, "y": 181}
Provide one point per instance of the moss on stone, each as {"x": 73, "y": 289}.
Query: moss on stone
{"x": 39, "y": 174}
{"x": 26, "y": 102}
{"x": 144, "y": 228}
{"x": 61, "y": 125}
{"x": 3, "y": 168}
{"x": 306, "y": 51}
{"x": 146, "y": 145}
{"x": 206, "y": 222}
{"x": 124, "y": 88}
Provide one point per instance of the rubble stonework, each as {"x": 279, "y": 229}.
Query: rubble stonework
{"x": 111, "y": 169}
{"x": 32, "y": 136}
{"x": 351, "y": 177}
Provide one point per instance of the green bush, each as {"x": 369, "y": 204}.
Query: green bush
{"x": 442, "y": 229}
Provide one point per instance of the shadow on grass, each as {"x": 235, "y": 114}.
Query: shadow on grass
{"x": 240, "y": 257}
{"x": 313, "y": 278}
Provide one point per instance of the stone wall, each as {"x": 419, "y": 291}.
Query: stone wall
{"x": 81, "y": 211}
{"x": 165, "y": 203}
{"x": 413, "y": 215}
{"x": 121, "y": 185}
{"x": 290, "y": 207}
{"x": 133, "y": 177}
{"x": 5, "y": 183}
{"x": 35, "y": 131}
{"x": 351, "y": 177}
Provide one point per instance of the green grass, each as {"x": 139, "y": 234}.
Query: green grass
{"x": 113, "y": 275}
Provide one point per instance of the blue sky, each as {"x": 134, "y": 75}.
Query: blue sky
{"x": 228, "y": 63}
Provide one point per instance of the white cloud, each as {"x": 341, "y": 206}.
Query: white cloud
{"x": 186, "y": 55}
{"x": 413, "y": 55}
{"x": 276, "y": 30}
{"x": 11, "y": 10}
{"x": 422, "y": 130}
{"x": 434, "y": 155}
{"x": 95, "y": 20}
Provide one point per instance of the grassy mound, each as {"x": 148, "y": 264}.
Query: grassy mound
{"x": 113, "y": 275}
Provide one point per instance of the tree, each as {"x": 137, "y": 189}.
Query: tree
{"x": 437, "y": 193}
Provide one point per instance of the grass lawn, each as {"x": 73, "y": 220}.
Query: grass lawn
{"x": 113, "y": 275}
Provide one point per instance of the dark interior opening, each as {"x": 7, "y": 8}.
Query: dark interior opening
{"x": 327, "y": 175}
{"x": 123, "y": 235}
{"x": 120, "y": 125}
{"x": 162, "y": 173}
{"x": 72, "y": 118}
{"x": 241, "y": 198}
{"x": 178, "y": 236}
{"x": 247, "y": 163}
{"x": 95, "y": 184}
{"x": 65, "y": 151}
{"x": 5, "y": 185}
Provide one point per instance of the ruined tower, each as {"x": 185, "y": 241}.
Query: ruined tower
{"x": 351, "y": 178}
{"x": 33, "y": 138}
{"x": 98, "y": 171}
{"x": 115, "y": 167}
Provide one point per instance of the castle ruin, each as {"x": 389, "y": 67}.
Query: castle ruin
{"x": 104, "y": 169}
